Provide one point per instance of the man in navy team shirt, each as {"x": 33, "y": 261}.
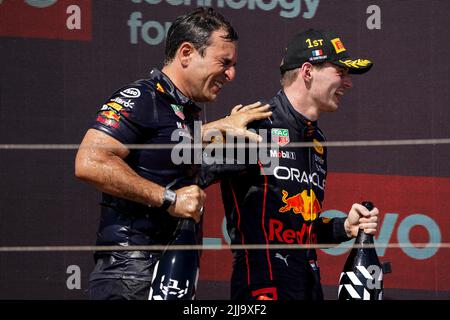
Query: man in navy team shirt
{"x": 144, "y": 191}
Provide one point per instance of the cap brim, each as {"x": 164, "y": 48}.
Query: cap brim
{"x": 355, "y": 66}
{"x": 285, "y": 67}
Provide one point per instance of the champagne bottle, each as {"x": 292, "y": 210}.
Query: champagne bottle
{"x": 362, "y": 276}
{"x": 176, "y": 273}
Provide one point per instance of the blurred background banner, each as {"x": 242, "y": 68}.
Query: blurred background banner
{"x": 60, "y": 60}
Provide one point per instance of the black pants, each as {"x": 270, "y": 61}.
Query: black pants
{"x": 118, "y": 289}
{"x": 304, "y": 286}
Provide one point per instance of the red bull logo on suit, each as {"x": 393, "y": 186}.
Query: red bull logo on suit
{"x": 302, "y": 203}
{"x": 279, "y": 233}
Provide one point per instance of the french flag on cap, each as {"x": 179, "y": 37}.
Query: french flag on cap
{"x": 316, "y": 53}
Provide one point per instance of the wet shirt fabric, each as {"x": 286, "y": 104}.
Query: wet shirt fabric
{"x": 278, "y": 200}
{"x": 147, "y": 112}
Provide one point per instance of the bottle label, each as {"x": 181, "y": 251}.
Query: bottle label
{"x": 362, "y": 283}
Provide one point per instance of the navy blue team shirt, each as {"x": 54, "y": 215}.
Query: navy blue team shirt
{"x": 146, "y": 112}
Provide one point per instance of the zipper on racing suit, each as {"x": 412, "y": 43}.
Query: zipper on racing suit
{"x": 311, "y": 256}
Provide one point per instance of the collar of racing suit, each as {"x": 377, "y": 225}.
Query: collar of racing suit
{"x": 295, "y": 118}
{"x": 164, "y": 85}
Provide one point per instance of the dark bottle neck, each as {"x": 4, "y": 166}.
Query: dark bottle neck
{"x": 187, "y": 224}
{"x": 364, "y": 238}
{"x": 186, "y": 232}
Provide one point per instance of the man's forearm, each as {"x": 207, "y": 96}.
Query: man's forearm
{"x": 115, "y": 177}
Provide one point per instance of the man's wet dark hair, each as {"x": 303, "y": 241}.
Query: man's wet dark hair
{"x": 196, "y": 27}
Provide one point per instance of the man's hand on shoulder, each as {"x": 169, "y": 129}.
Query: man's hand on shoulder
{"x": 236, "y": 123}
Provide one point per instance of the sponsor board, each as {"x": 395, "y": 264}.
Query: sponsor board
{"x": 49, "y": 19}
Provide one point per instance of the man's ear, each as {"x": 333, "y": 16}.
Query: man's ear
{"x": 185, "y": 52}
{"x": 305, "y": 71}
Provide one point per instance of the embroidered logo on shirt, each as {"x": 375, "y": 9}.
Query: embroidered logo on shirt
{"x": 160, "y": 88}
{"x": 318, "y": 146}
{"x": 279, "y": 256}
{"x": 178, "y": 110}
{"x": 124, "y": 103}
{"x": 109, "y": 118}
{"x": 302, "y": 203}
{"x": 183, "y": 130}
{"x": 111, "y": 113}
{"x": 131, "y": 93}
{"x": 280, "y": 136}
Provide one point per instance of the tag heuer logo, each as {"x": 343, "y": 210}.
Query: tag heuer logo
{"x": 178, "y": 110}
{"x": 280, "y": 136}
